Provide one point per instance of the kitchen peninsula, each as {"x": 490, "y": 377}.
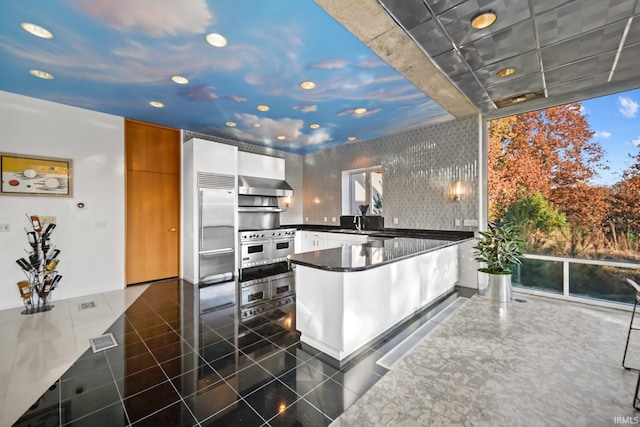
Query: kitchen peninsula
{"x": 348, "y": 296}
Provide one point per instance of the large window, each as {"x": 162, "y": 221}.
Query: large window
{"x": 362, "y": 187}
{"x": 569, "y": 178}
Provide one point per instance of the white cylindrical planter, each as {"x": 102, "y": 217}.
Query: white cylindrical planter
{"x": 496, "y": 287}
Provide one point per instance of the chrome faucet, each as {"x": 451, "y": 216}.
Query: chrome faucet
{"x": 357, "y": 220}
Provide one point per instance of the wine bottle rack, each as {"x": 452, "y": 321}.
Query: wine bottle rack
{"x": 40, "y": 267}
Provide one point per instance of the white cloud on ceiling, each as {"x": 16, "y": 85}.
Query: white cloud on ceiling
{"x": 198, "y": 93}
{"x": 235, "y": 98}
{"x": 351, "y": 112}
{"x": 306, "y": 108}
{"x": 261, "y": 129}
{"x": 602, "y": 134}
{"x": 329, "y": 64}
{"x": 628, "y": 107}
{"x": 371, "y": 62}
{"x": 156, "y": 18}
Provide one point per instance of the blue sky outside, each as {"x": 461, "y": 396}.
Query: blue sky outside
{"x": 616, "y": 121}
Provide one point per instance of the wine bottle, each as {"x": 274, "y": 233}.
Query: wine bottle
{"x": 31, "y": 236}
{"x": 49, "y": 229}
{"x": 24, "y": 264}
{"x": 34, "y": 260}
{"x": 35, "y": 222}
{"x": 46, "y": 288}
{"x": 51, "y": 266}
{"x": 52, "y": 255}
{"x": 55, "y": 281}
{"x": 25, "y": 289}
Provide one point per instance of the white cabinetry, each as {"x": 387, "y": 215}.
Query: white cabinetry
{"x": 308, "y": 241}
{"x": 335, "y": 240}
{"x": 312, "y": 241}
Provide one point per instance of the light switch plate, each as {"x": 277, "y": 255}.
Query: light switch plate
{"x": 333, "y": 219}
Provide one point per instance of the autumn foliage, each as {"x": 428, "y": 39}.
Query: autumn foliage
{"x": 547, "y": 160}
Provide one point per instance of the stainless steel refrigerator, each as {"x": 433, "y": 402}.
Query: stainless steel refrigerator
{"x": 217, "y": 235}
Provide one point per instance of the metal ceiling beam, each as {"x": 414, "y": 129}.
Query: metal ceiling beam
{"x": 370, "y": 22}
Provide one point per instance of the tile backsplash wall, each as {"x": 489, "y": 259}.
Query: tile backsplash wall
{"x": 420, "y": 168}
{"x": 293, "y": 171}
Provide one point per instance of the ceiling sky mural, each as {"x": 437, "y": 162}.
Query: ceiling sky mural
{"x": 118, "y": 56}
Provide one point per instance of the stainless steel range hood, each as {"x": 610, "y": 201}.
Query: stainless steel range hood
{"x": 255, "y": 186}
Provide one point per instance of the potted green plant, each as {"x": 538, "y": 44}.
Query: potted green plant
{"x": 498, "y": 248}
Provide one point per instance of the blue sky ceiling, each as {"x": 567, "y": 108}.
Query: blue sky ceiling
{"x": 117, "y": 56}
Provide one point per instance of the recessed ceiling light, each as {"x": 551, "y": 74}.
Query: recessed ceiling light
{"x": 484, "y": 19}
{"x": 360, "y": 110}
{"x": 156, "y": 104}
{"x": 307, "y": 85}
{"x": 314, "y": 126}
{"x": 262, "y": 108}
{"x": 41, "y": 74}
{"x": 506, "y": 72}
{"x": 179, "y": 80}
{"x": 37, "y": 30}
{"x": 352, "y": 138}
{"x": 216, "y": 40}
{"x": 230, "y": 124}
{"x": 281, "y": 137}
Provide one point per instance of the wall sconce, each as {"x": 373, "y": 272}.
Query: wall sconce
{"x": 316, "y": 200}
{"x": 457, "y": 191}
{"x": 287, "y": 201}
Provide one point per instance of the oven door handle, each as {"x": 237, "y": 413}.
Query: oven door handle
{"x": 216, "y": 252}
{"x": 258, "y": 209}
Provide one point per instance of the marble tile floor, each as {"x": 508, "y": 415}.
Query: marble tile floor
{"x": 181, "y": 361}
{"x": 543, "y": 362}
{"x": 35, "y": 350}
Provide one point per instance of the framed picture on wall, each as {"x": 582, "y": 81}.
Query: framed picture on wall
{"x": 26, "y": 175}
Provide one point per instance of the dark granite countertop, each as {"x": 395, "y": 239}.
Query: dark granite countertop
{"x": 371, "y": 254}
{"x": 395, "y": 232}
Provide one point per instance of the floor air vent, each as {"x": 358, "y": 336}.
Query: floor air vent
{"x": 86, "y": 305}
{"x": 103, "y": 342}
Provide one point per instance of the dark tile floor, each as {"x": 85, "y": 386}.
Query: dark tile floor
{"x": 181, "y": 361}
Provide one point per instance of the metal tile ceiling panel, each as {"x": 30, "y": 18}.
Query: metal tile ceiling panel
{"x": 430, "y": 36}
{"x": 580, "y": 69}
{"x": 439, "y": 6}
{"x": 457, "y": 21}
{"x": 580, "y": 17}
{"x": 470, "y": 87}
{"x": 524, "y": 64}
{"x": 541, "y": 6}
{"x": 410, "y": 13}
{"x": 630, "y": 56}
{"x": 578, "y": 84}
{"x": 633, "y": 36}
{"x": 586, "y": 45}
{"x": 500, "y": 45}
{"x": 526, "y": 84}
{"x": 629, "y": 76}
{"x": 567, "y": 45}
{"x": 451, "y": 63}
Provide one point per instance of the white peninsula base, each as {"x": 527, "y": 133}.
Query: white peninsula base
{"x": 338, "y": 312}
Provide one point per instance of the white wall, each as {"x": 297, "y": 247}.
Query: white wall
{"x": 92, "y": 257}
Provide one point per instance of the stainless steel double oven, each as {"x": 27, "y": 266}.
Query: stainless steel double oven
{"x": 266, "y": 279}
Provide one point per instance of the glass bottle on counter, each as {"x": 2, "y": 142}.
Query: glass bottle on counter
{"x": 35, "y": 223}
{"x": 25, "y": 289}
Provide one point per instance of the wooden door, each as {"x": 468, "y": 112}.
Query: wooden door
{"x": 152, "y": 202}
